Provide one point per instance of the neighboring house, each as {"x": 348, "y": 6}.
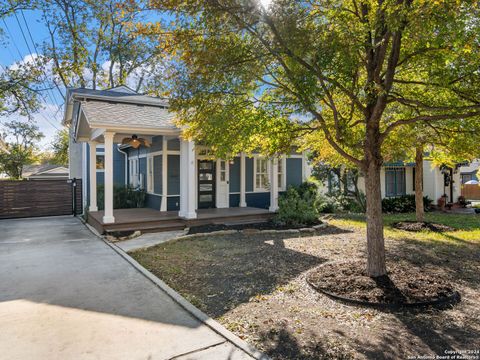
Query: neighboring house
{"x": 177, "y": 174}
{"x": 45, "y": 172}
{"x": 470, "y": 172}
{"x": 398, "y": 179}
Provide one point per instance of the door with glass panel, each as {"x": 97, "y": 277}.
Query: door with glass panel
{"x": 206, "y": 184}
{"x": 222, "y": 184}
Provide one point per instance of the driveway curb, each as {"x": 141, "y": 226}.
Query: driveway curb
{"x": 195, "y": 312}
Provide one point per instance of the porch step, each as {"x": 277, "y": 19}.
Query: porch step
{"x": 145, "y": 227}
{"x": 245, "y": 222}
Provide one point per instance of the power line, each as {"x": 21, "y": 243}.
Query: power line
{"x": 36, "y": 50}
{"x": 44, "y": 81}
{"x": 13, "y": 42}
{"x": 21, "y": 58}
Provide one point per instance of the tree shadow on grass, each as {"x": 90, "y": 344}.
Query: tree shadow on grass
{"x": 220, "y": 273}
{"x": 280, "y": 344}
{"x": 427, "y": 330}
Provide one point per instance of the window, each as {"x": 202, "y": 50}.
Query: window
{"x": 261, "y": 174}
{"x": 394, "y": 181}
{"x": 100, "y": 162}
{"x": 223, "y": 170}
{"x": 150, "y": 174}
{"x": 133, "y": 172}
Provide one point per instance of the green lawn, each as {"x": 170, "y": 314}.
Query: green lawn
{"x": 468, "y": 226}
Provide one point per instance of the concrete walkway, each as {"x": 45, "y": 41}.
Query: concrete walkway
{"x": 65, "y": 294}
{"x": 147, "y": 240}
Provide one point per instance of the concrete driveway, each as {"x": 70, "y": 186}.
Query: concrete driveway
{"x": 64, "y": 294}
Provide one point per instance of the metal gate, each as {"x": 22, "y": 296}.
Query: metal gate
{"x": 22, "y": 198}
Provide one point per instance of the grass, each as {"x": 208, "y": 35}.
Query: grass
{"x": 467, "y": 225}
{"x": 254, "y": 284}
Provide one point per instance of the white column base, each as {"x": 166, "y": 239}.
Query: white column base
{"x": 190, "y": 215}
{"x": 108, "y": 219}
{"x": 92, "y": 208}
{"x": 163, "y": 205}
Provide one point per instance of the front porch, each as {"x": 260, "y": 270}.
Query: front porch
{"x": 150, "y": 220}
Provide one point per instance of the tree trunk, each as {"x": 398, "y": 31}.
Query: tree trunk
{"x": 419, "y": 206}
{"x": 375, "y": 241}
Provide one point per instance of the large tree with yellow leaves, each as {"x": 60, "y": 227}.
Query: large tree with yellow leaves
{"x": 347, "y": 76}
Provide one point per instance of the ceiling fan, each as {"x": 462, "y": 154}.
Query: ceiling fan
{"x": 135, "y": 142}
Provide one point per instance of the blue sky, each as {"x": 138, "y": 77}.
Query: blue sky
{"x": 14, "y": 49}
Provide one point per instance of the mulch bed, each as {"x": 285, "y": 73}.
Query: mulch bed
{"x": 421, "y": 226}
{"x": 404, "y": 285}
{"x": 265, "y": 225}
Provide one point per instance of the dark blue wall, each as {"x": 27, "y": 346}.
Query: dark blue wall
{"x": 235, "y": 175}
{"x": 157, "y": 174}
{"x": 156, "y": 144}
{"x": 249, "y": 174}
{"x": 258, "y": 199}
{"x": 234, "y": 200}
{"x": 294, "y": 171}
{"x": 153, "y": 201}
{"x": 173, "y": 144}
{"x": 173, "y": 172}
{"x": 173, "y": 203}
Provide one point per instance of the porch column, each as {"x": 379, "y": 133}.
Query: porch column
{"x": 188, "y": 183}
{"x": 243, "y": 202}
{"x": 108, "y": 216}
{"x": 163, "y": 206}
{"x": 273, "y": 185}
{"x": 93, "y": 176}
{"x": 306, "y": 170}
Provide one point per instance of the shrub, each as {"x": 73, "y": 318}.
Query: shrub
{"x": 339, "y": 202}
{"x": 124, "y": 197}
{"x": 296, "y": 207}
{"x": 403, "y": 204}
{"x": 325, "y": 204}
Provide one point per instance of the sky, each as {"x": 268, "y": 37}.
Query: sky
{"x": 15, "y": 49}
{"x": 17, "y": 46}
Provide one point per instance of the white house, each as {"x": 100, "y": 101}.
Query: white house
{"x": 398, "y": 179}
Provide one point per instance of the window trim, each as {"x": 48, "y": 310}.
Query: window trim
{"x": 282, "y": 185}
{"x": 267, "y": 173}
{"x": 133, "y": 171}
{"x": 98, "y": 170}
{"x": 150, "y": 175}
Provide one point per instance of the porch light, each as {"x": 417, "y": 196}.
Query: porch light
{"x": 135, "y": 141}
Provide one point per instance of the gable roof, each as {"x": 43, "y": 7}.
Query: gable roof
{"x": 121, "y": 94}
{"x": 110, "y": 114}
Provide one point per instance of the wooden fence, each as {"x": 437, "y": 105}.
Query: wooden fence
{"x": 40, "y": 198}
{"x": 471, "y": 191}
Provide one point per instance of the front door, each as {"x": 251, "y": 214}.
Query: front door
{"x": 222, "y": 184}
{"x": 206, "y": 184}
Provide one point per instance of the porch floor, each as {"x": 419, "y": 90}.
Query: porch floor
{"x": 150, "y": 220}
